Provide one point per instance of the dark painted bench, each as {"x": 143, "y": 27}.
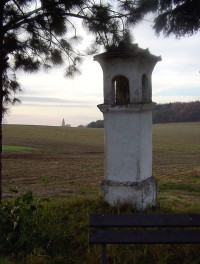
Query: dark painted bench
{"x": 143, "y": 229}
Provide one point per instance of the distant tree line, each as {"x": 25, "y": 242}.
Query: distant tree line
{"x": 168, "y": 113}
{"x": 176, "y": 112}
{"x": 96, "y": 124}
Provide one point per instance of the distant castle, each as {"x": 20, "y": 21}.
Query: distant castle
{"x": 65, "y": 125}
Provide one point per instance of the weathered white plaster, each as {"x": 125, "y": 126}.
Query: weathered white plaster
{"x": 140, "y": 195}
{"x": 128, "y": 142}
{"x": 127, "y": 111}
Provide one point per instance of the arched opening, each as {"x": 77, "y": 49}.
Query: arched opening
{"x": 146, "y": 97}
{"x": 121, "y": 87}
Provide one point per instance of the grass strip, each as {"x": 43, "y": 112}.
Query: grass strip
{"x": 17, "y": 148}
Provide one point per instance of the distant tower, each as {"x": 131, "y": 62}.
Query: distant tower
{"x": 127, "y": 111}
{"x": 63, "y": 122}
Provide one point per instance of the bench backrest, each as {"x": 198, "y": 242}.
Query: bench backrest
{"x": 144, "y": 228}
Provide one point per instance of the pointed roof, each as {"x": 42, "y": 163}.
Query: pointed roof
{"x": 132, "y": 50}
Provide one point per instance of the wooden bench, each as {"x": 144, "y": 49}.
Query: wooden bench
{"x": 143, "y": 229}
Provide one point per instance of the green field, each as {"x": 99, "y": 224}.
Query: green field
{"x": 67, "y": 165}
{"x": 57, "y": 161}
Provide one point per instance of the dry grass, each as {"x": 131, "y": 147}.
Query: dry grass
{"x": 70, "y": 161}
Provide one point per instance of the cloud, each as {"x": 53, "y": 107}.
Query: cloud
{"x": 185, "y": 91}
{"x": 59, "y": 106}
{"x": 50, "y": 100}
{"x": 171, "y": 99}
{"x": 55, "y": 103}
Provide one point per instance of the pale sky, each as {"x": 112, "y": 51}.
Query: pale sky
{"x": 48, "y": 98}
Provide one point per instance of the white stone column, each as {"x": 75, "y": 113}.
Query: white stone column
{"x": 128, "y": 155}
{"x": 127, "y": 111}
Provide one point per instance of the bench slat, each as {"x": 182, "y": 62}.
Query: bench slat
{"x": 144, "y": 236}
{"x": 145, "y": 220}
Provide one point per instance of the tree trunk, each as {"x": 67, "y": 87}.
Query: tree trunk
{"x": 1, "y": 88}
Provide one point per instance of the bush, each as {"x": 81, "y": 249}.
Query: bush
{"x": 19, "y": 231}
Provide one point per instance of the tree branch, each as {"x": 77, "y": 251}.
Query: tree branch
{"x": 16, "y": 22}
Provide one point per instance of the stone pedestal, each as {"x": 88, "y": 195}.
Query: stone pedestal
{"x": 140, "y": 195}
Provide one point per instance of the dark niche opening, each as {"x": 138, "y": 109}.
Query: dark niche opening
{"x": 121, "y": 87}
{"x": 146, "y": 95}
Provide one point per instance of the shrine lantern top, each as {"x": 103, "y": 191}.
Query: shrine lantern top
{"x": 127, "y": 75}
